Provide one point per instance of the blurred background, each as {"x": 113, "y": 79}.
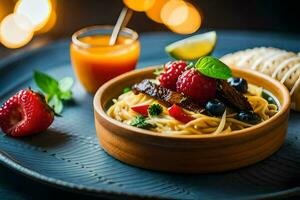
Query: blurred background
{"x": 33, "y": 23}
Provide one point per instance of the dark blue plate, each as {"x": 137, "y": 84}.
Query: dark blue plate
{"x": 68, "y": 154}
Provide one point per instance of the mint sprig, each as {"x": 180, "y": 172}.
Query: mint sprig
{"x": 55, "y": 91}
{"x": 213, "y": 67}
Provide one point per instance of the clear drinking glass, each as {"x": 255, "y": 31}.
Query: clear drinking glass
{"x": 95, "y": 62}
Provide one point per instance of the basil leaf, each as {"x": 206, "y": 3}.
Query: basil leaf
{"x": 56, "y": 104}
{"x": 65, "y": 84}
{"x": 45, "y": 82}
{"x": 213, "y": 67}
{"x": 66, "y": 95}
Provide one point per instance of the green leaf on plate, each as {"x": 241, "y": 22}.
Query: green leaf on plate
{"x": 46, "y": 83}
{"x": 213, "y": 67}
{"x": 65, "y": 84}
{"x": 55, "y": 91}
{"x": 66, "y": 95}
{"x": 56, "y": 104}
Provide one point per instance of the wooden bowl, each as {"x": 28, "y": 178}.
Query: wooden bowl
{"x": 189, "y": 153}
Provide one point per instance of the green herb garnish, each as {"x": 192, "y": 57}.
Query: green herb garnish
{"x": 158, "y": 71}
{"x": 190, "y": 65}
{"x": 127, "y": 89}
{"x": 55, "y": 91}
{"x": 140, "y": 122}
{"x": 155, "y": 110}
{"x": 213, "y": 67}
{"x": 183, "y": 100}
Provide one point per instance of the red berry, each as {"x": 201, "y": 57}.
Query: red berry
{"x": 172, "y": 70}
{"x": 25, "y": 113}
{"x": 197, "y": 86}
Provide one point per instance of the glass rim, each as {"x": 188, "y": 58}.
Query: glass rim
{"x": 134, "y": 36}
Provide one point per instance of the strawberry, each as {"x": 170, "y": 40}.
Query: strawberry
{"x": 170, "y": 74}
{"x": 25, "y": 113}
{"x": 197, "y": 86}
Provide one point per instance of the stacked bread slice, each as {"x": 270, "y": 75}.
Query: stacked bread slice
{"x": 277, "y": 63}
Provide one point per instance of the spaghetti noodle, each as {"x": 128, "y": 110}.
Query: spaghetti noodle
{"x": 202, "y": 124}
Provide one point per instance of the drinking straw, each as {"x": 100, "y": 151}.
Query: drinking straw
{"x": 122, "y": 21}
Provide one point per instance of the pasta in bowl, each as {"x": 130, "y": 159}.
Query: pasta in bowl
{"x": 168, "y": 131}
{"x": 122, "y": 110}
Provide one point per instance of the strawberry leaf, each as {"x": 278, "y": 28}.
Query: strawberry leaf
{"x": 46, "y": 83}
{"x": 56, "y": 104}
{"x": 66, "y": 95}
{"x": 65, "y": 84}
{"x": 55, "y": 91}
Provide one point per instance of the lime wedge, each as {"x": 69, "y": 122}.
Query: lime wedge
{"x": 193, "y": 47}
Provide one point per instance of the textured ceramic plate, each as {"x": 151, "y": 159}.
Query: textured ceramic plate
{"x": 68, "y": 154}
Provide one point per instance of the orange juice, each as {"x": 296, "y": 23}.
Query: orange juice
{"x": 95, "y": 62}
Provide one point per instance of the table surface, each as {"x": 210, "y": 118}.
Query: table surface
{"x": 16, "y": 187}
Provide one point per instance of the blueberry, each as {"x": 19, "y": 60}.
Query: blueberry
{"x": 239, "y": 84}
{"x": 248, "y": 117}
{"x": 215, "y": 107}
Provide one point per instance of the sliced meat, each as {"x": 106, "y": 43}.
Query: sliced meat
{"x": 232, "y": 96}
{"x": 166, "y": 95}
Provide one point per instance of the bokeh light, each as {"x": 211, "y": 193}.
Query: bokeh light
{"x": 174, "y": 12}
{"x": 50, "y": 23}
{"x": 1, "y": 12}
{"x": 181, "y": 17}
{"x": 29, "y": 17}
{"x": 139, "y": 5}
{"x": 15, "y": 31}
{"x": 154, "y": 11}
{"x": 37, "y": 11}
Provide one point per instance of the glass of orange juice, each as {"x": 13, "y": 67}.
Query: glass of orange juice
{"x": 96, "y": 62}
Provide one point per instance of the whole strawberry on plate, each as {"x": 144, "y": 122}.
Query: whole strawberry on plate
{"x": 25, "y": 113}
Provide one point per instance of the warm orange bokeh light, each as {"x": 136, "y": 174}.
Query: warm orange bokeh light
{"x": 50, "y": 24}
{"x": 174, "y": 12}
{"x": 15, "y": 31}
{"x": 154, "y": 12}
{"x": 181, "y": 17}
{"x": 139, "y": 5}
{"x": 1, "y": 12}
{"x": 29, "y": 16}
{"x": 38, "y": 12}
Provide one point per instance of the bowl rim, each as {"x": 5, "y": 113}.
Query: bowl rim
{"x": 285, "y": 107}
